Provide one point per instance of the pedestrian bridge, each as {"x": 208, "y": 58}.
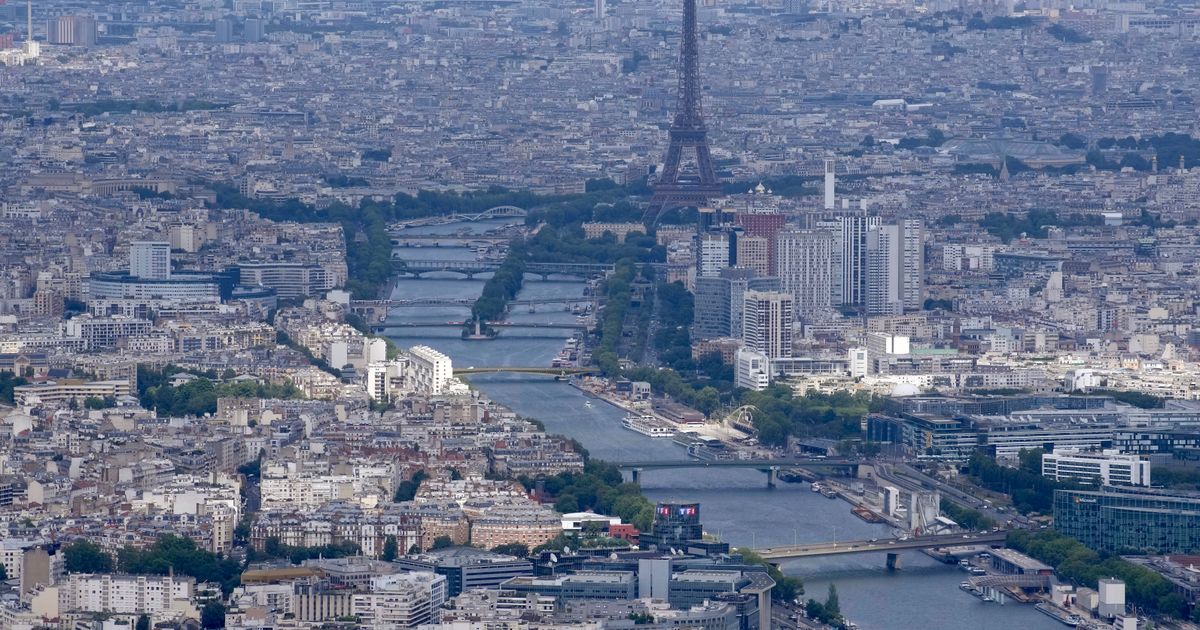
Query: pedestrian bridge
{"x": 1020, "y": 581}
{"x": 889, "y": 546}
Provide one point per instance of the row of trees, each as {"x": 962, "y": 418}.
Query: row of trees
{"x": 168, "y": 553}
{"x": 967, "y": 517}
{"x": 502, "y": 287}
{"x": 599, "y": 488}
{"x": 199, "y": 397}
{"x": 786, "y": 588}
{"x": 1008, "y": 225}
{"x": 9, "y": 381}
{"x": 1030, "y": 491}
{"x": 617, "y": 298}
{"x": 274, "y": 548}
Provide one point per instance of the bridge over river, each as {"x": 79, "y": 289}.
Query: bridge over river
{"x": 890, "y": 546}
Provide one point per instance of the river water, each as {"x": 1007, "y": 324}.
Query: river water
{"x": 735, "y": 505}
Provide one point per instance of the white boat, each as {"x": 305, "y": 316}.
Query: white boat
{"x": 647, "y": 425}
{"x": 587, "y": 403}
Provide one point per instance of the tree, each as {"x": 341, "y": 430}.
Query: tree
{"x": 143, "y": 623}
{"x": 832, "y": 605}
{"x": 213, "y": 615}
{"x": 3, "y": 573}
{"x": 512, "y": 549}
{"x": 83, "y": 556}
{"x": 389, "y": 549}
{"x": 441, "y": 542}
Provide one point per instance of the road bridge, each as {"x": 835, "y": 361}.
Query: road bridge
{"x": 446, "y": 240}
{"x": 541, "y": 325}
{"x": 471, "y": 267}
{"x": 891, "y": 546}
{"x": 769, "y": 466}
{"x": 464, "y": 302}
{"x": 548, "y": 371}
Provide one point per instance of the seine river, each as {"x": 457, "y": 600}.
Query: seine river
{"x": 735, "y": 505}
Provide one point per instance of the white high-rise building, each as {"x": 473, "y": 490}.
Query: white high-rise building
{"x": 853, "y": 256}
{"x": 912, "y": 263}
{"x": 767, "y": 325}
{"x": 601, "y": 9}
{"x": 884, "y": 283}
{"x": 429, "y": 370}
{"x": 895, "y": 277}
{"x": 712, "y": 255}
{"x": 830, "y": 183}
{"x": 804, "y": 260}
{"x": 150, "y": 260}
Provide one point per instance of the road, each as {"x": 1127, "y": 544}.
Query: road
{"x": 910, "y": 478}
{"x": 877, "y": 545}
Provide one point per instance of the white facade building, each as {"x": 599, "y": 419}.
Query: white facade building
{"x": 150, "y": 260}
{"x": 713, "y": 255}
{"x": 403, "y": 600}
{"x": 753, "y": 369}
{"x": 430, "y": 370}
{"x": 125, "y": 594}
{"x": 768, "y": 323}
{"x": 853, "y": 256}
{"x": 1107, "y": 468}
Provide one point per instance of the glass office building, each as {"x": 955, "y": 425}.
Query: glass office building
{"x": 1112, "y": 519}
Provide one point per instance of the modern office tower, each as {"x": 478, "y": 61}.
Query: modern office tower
{"x": 224, "y": 27}
{"x": 600, "y": 9}
{"x": 738, "y": 287}
{"x": 713, "y": 254}
{"x": 805, "y": 269}
{"x": 150, "y": 260}
{"x": 253, "y": 30}
{"x": 719, "y": 301}
{"x": 71, "y": 30}
{"x": 768, "y": 323}
{"x": 830, "y": 183}
{"x": 852, "y": 265}
{"x": 711, "y": 308}
{"x": 753, "y": 252}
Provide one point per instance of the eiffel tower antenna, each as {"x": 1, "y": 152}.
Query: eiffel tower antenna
{"x": 687, "y": 132}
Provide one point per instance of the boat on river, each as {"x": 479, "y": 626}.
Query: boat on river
{"x": 1063, "y": 617}
{"x": 647, "y": 425}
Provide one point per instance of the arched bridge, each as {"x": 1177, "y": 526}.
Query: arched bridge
{"x": 499, "y": 212}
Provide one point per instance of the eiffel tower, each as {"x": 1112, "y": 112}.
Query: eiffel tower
{"x": 673, "y": 189}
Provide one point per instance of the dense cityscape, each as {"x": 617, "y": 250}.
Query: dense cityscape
{"x": 599, "y": 314}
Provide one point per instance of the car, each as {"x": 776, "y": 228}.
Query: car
{"x": 891, "y": 542}
{"x": 874, "y": 540}
{"x": 966, "y": 536}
